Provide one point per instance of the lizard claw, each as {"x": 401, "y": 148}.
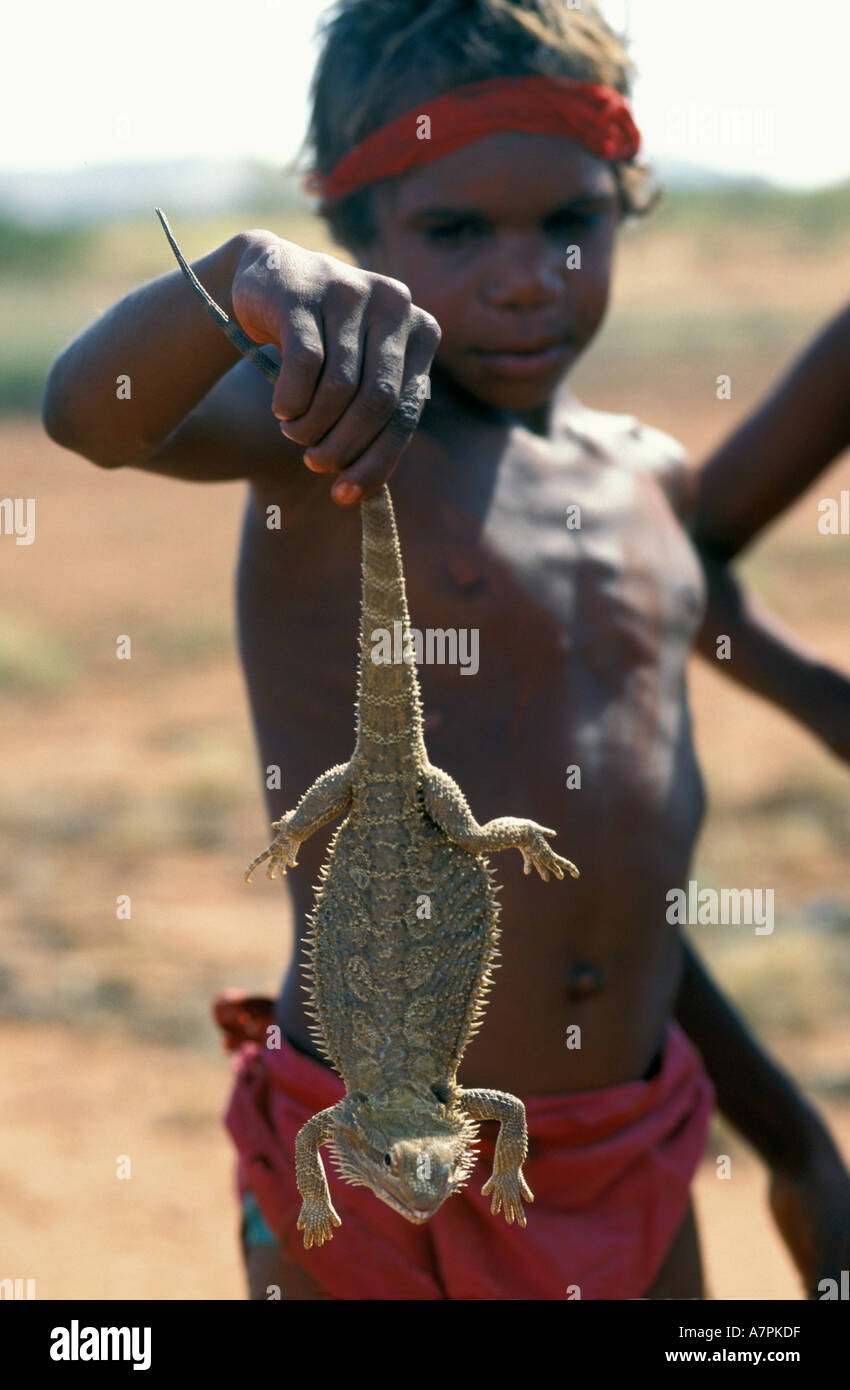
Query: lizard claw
{"x": 282, "y": 853}
{"x": 508, "y": 1189}
{"x": 536, "y": 853}
{"x": 316, "y": 1221}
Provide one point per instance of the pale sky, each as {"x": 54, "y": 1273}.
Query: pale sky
{"x": 756, "y": 86}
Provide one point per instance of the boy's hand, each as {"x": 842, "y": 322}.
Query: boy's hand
{"x": 812, "y": 1211}
{"x": 355, "y": 356}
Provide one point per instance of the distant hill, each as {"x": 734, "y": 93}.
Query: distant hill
{"x": 107, "y": 192}
{"x": 687, "y": 178}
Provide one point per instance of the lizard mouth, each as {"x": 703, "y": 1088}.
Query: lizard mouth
{"x": 418, "y": 1218}
{"x": 418, "y": 1215}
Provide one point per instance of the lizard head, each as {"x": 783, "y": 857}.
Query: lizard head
{"x": 412, "y": 1149}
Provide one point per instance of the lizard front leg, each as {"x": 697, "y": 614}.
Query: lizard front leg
{"x": 317, "y": 1214}
{"x": 447, "y": 805}
{"x": 329, "y": 796}
{"x": 506, "y": 1182}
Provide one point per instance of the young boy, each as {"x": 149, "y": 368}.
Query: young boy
{"x": 462, "y": 172}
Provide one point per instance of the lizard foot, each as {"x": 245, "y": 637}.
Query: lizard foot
{"x": 536, "y": 853}
{"x": 282, "y": 853}
{"x": 508, "y": 1189}
{"x": 316, "y": 1221}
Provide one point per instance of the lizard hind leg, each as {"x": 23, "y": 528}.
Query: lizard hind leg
{"x": 506, "y": 1183}
{"x": 317, "y": 1217}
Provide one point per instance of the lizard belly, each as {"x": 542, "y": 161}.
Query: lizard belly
{"x": 402, "y": 935}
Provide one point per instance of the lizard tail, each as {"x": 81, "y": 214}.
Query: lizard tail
{"x": 385, "y": 678}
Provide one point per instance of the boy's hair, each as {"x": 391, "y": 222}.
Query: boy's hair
{"x": 381, "y": 57}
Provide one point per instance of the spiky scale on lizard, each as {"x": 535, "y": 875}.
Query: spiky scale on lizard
{"x": 403, "y": 934}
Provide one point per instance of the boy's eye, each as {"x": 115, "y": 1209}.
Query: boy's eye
{"x": 452, "y": 231}
{"x": 574, "y": 218}
{"x": 466, "y": 228}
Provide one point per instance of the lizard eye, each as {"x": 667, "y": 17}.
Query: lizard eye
{"x": 387, "y": 1160}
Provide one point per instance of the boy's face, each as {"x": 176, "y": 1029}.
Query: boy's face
{"x": 482, "y": 239}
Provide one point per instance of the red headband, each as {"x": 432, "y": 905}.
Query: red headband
{"x": 598, "y": 117}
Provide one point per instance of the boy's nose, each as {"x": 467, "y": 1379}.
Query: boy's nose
{"x": 524, "y": 273}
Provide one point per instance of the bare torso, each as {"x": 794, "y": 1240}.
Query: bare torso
{"x": 583, "y": 639}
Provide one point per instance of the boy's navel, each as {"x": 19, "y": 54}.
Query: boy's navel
{"x": 584, "y": 981}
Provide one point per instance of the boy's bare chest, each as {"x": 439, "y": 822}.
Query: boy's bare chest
{"x": 560, "y": 580}
{"x": 557, "y": 553}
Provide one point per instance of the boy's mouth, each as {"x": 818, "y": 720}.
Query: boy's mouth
{"x": 524, "y": 360}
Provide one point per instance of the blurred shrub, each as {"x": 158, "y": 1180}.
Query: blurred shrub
{"x": 33, "y": 662}
{"x": 42, "y": 251}
{"x": 802, "y": 221}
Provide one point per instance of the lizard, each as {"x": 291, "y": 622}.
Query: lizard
{"x": 402, "y": 940}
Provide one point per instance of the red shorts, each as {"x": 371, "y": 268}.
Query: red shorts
{"x": 610, "y": 1171}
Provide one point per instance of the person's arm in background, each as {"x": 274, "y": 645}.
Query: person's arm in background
{"x": 767, "y": 658}
{"x": 780, "y": 449}
{"x": 809, "y": 1185}
{"x": 801, "y": 427}
{"x": 796, "y": 433}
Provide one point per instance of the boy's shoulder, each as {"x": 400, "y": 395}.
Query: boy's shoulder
{"x": 630, "y": 443}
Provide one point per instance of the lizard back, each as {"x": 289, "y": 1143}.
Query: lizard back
{"x": 404, "y": 926}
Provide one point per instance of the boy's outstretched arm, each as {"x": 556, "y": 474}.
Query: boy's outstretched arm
{"x": 810, "y": 1185}
{"x": 155, "y": 384}
{"x": 779, "y": 450}
{"x": 129, "y": 379}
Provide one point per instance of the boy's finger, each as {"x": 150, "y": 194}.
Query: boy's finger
{"x": 378, "y": 462}
{"x": 302, "y": 356}
{"x": 376, "y": 465}
{"x": 373, "y": 463}
{"x": 339, "y": 381}
{"x": 387, "y": 332}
